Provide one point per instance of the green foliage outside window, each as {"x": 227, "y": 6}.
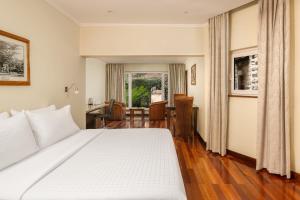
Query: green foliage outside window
{"x": 141, "y": 91}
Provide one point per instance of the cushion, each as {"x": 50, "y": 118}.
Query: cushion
{"x": 16, "y": 140}
{"x": 4, "y": 115}
{"x": 53, "y": 126}
{"x": 40, "y": 110}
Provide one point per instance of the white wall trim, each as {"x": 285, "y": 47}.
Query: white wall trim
{"x": 62, "y": 12}
{"x": 95, "y": 55}
{"x": 145, "y": 25}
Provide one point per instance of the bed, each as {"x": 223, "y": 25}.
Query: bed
{"x": 99, "y": 164}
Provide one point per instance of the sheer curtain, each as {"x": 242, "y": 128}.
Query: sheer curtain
{"x": 177, "y": 80}
{"x": 114, "y": 82}
{"x": 273, "y": 141}
{"x": 218, "y": 97}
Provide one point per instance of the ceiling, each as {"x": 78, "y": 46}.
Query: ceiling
{"x": 146, "y": 59}
{"x": 144, "y": 11}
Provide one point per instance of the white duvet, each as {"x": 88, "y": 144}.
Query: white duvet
{"x": 115, "y": 164}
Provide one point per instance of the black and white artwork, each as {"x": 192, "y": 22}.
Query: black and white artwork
{"x": 193, "y": 74}
{"x": 14, "y": 60}
{"x": 245, "y": 73}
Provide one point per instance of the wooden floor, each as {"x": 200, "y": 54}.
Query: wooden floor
{"x": 209, "y": 176}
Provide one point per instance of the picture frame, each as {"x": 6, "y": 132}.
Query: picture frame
{"x": 14, "y": 60}
{"x": 193, "y": 74}
{"x": 244, "y": 73}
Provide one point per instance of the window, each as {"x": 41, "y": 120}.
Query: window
{"x": 244, "y": 73}
{"x": 143, "y": 88}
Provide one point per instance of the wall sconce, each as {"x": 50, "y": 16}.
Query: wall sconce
{"x": 69, "y": 88}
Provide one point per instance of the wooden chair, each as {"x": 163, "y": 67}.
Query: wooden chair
{"x": 176, "y": 96}
{"x": 157, "y": 110}
{"x": 118, "y": 111}
{"x": 183, "y": 120}
{"x": 179, "y": 95}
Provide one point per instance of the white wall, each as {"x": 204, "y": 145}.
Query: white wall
{"x": 54, "y": 54}
{"x": 95, "y": 80}
{"x": 141, "y": 40}
{"x": 197, "y": 91}
{"x": 206, "y": 82}
{"x": 242, "y": 130}
{"x": 243, "y": 111}
{"x": 244, "y": 27}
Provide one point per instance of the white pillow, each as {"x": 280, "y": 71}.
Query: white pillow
{"x": 53, "y": 126}
{"x": 16, "y": 140}
{"x": 40, "y": 110}
{"x": 4, "y": 115}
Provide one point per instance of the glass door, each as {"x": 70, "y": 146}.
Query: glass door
{"x": 144, "y": 88}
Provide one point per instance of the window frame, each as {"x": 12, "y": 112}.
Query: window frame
{"x": 237, "y": 54}
{"x": 129, "y": 73}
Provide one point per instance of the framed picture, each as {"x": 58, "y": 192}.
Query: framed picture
{"x": 193, "y": 74}
{"x": 244, "y": 73}
{"x": 14, "y": 60}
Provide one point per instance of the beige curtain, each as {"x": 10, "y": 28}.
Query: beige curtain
{"x": 114, "y": 82}
{"x": 218, "y": 97}
{"x": 273, "y": 141}
{"x": 177, "y": 80}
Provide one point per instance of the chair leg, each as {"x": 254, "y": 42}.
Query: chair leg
{"x": 103, "y": 122}
{"x": 191, "y": 138}
{"x": 174, "y": 128}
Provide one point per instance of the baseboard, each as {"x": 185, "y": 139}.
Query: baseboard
{"x": 295, "y": 176}
{"x": 249, "y": 161}
{"x": 202, "y": 142}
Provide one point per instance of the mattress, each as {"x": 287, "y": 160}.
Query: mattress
{"x": 108, "y": 164}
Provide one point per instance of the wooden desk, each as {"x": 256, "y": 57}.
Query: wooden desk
{"x": 92, "y": 108}
{"x": 195, "y": 116}
{"x": 132, "y": 111}
{"x": 92, "y": 111}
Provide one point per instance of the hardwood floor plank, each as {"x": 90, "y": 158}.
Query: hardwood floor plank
{"x": 234, "y": 171}
{"x": 194, "y": 186}
{"x": 221, "y": 170}
{"x": 219, "y": 192}
{"x": 229, "y": 191}
{"x": 208, "y": 192}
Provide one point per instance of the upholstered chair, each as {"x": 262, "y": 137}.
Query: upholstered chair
{"x": 183, "y": 120}
{"x": 157, "y": 110}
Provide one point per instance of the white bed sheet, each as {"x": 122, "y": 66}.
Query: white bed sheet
{"x": 121, "y": 164}
{"x": 17, "y": 179}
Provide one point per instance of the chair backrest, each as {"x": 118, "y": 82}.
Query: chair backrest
{"x": 118, "y": 110}
{"x": 110, "y": 107}
{"x": 157, "y": 110}
{"x": 178, "y": 96}
{"x": 184, "y": 111}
